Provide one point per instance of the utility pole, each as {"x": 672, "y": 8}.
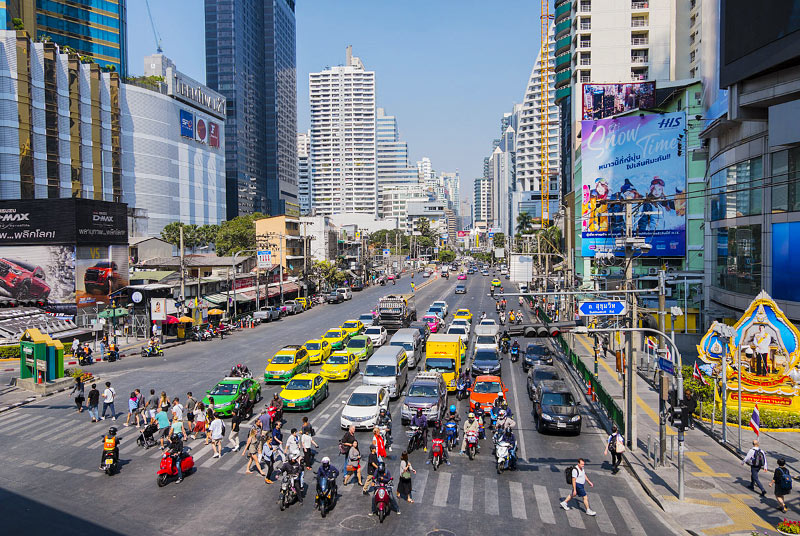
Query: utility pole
{"x": 631, "y": 369}
{"x": 662, "y": 403}
{"x": 183, "y": 273}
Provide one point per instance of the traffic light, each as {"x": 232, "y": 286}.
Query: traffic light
{"x": 677, "y": 414}
{"x": 553, "y": 329}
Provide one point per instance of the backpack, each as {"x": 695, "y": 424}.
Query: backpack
{"x": 568, "y": 474}
{"x": 758, "y": 459}
{"x": 786, "y": 479}
{"x": 223, "y": 428}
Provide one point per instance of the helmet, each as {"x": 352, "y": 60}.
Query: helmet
{"x": 452, "y": 408}
{"x": 383, "y": 410}
{"x": 174, "y": 438}
{"x": 502, "y": 413}
{"x": 419, "y": 412}
{"x": 112, "y": 431}
{"x": 381, "y": 467}
{"x": 471, "y": 415}
{"x": 239, "y": 365}
{"x": 326, "y": 461}
{"x": 275, "y": 396}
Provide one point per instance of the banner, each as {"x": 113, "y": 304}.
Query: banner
{"x": 158, "y": 309}
{"x": 200, "y": 130}
{"x": 634, "y": 158}
{"x": 213, "y": 134}
{"x": 187, "y": 124}
{"x": 604, "y": 100}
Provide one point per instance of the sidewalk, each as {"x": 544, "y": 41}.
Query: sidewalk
{"x": 717, "y": 501}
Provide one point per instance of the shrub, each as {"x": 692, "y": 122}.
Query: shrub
{"x": 769, "y": 418}
{"x": 10, "y": 351}
{"x": 789, "y": 527}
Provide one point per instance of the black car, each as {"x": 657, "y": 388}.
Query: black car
{"x": 335, "y": 297}
{"x": 423, "y": 328}
{"x": 536, "y": 354}
{"x": 556, "y": 408}
{"x": 537, "y": 375}
{"x": 461, "y": 289}
{"x": 486, "y": 361}
{"x": 357, "y": 286}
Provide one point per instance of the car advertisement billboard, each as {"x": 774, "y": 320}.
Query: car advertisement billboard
{"x": 187, "y": 124}
{"x": 604, "y": 100}
{"x": 44, "y": 273}
{"x": 213, "y": 134}
{"x": 99, "y": 272}
{"x": 634, "y": 159}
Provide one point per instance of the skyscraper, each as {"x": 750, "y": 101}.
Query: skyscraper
{"x": 94, "y": 28}
{"x": 393, "y": 168}
{"x": 251, "y": 60}
{"x": 343, "y": 156}
{"x": 303, "y": 176}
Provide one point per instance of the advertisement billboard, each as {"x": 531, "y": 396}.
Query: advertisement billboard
{"x": 187, "y": 124}
{"x": 213, "y": 134}
{"x": 201, "y": 130}
{"x": 521, "y": 268}
{"x": 604, "y": 100}
{"x": 628, "y": 159}
{"x": 44, "y": 273}
{"x": 158, "y": 309}
{"x": 99, "y": 272}
{"x": 462, "y": 234}
{"x": 785, "y": 244}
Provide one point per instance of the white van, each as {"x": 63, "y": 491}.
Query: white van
{"x": 411, "y": 341}
{"x": 346, "y": 292}
{"x": 487, "y": 336}
{"x": 388, "y": 367}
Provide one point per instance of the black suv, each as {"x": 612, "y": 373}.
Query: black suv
{"x": 536, "y": 354}
{"x": 537, "y": 375}
{"x": 556, "y": 408}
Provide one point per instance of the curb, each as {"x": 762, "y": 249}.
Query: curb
{"x": 32, "y": 398}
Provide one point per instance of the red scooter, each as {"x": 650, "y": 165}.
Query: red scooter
{"x": 436, "y": 450}
{"x": 167, "y": 468}
{"x": 382, "y": 502}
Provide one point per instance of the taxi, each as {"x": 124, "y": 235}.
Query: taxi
{"x": 304, "y": 391}
{"x": 341, "y": 365}
{"x": 319, "y": 350}
{"x": 353, "y": 327}
{"x": 337, "y": 338}
{"x": 496, "y": 282}
{"x": 361, "y": 346}
{"x": 485, "y": 391}
{"x": 433, "y": 321}
{"x": 304, "y": 302}
{"x": 463, "y": 313}
{"x": 288, "y": 362}
{"x": 462, "y": 277}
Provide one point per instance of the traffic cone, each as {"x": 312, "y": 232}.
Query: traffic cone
{"x": 590, "y": 392}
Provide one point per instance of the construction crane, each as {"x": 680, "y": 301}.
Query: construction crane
{"x": 544, "y": 112}
{"x": 155, "y": 31}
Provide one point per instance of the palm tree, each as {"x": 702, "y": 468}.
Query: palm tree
{"x": 524, "y": 223}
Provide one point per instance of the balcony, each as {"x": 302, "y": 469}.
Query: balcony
{"x": 586, "y": 77}
{"x": 638, "y": 75}
{"x": 562, "y": 28}
{"x": 639, "y": 22}
{"x": 585, "y": 7}
{"x": 639, "y": 58}
{"x": 639, "y": 41}
{"x": 562, "y": 78}
{"x": 562, "y": 61}
{"x": 637, "y": 5}
{"x": 562, "y": 93}
{"x": 563, "y": 11}
{"x": 586, "y": 59}
{"x": 563, "y": 44}
{"x": 586, "y": 24}
{"x": 585, "y": 43}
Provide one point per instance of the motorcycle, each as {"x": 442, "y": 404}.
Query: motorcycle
{"x": 152, "y": 351}
{"x": 514, "y": 353}
{"x": 110, "y": 463}
{"x": 382, "y": 502}
{"x": 451, "y": 429}
{"x": 472, "y": 443}
{"x": 414, "y": 438}
{"x": 480, "y": 415}
{"x": 325, "y": 496}
{"x": 111, "y": 356}
{"x": 167, "y": 468}
{"x": 288, "y": 492}
{"x": 493, "y": 414}
{"x": 85, "y": 360}
{"x": 437, "y": 448}
{"x": 505, "y": 346}
{"x": 462, "y": 391}
{"x": 504, "y": 450}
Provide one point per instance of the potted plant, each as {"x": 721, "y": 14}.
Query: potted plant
{"x": 788, "y": 527}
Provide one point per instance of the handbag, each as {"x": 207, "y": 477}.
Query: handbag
{"x": 619, "y": 446}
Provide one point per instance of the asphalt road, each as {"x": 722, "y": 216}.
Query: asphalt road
{"x": 49, "y": 454}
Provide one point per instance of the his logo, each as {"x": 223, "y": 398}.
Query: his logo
{"x": 102, "y": 218}
{"x": 672, "y": 122}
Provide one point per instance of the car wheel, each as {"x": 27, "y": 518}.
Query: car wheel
{"x": 313, "y": 403}
{"x": 22, "y": 290}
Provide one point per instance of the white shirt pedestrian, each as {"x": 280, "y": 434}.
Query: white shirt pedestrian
{"x": 108, "y": 395}
{"x": 216, "y": 437}
{"x": 177, "y": 412}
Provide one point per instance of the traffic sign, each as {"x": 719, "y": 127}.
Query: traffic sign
{"x": 386, "y": 252}
{"x": 602, "y": 308}
{"x": 264, "y": 259}
{"x": 491, "y": 235}
{"x": 666, "y": 365}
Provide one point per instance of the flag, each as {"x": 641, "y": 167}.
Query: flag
{"x": 697, "y": 375}
{"x": 755, "y": 421}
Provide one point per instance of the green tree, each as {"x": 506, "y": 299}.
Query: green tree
{"x": 17, "y": 22}
{"x": 381, "y": 238}
{"x": 207, "y": 235}
{"x": 524, "y": 223}
{"x": 327, "y": 272}
{"x": 237, "y": 234}
{"x": 424, "y": 227}
{"x": 499, "y": 240}
{"x": 172, "y": 233}
{"x": 447, "y": 255}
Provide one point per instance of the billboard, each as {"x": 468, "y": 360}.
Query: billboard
{"x": 187, "y": 124}
{"x": 201, "y": 130}
{"x": 604, "y": 100}
{"x": 462, "y": 234}
{"x": 99, "y": 272}
{"x": 634, "y": 158}
{"x": 44, "y": 273}
{"x": 521, "y": 268}
{"x": 213, "y": 134}
{"x": 785, "y": 244}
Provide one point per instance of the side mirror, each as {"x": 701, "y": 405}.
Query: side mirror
{"x": 208, "y": 391}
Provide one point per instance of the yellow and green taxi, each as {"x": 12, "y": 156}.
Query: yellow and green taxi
{"x": 304, "y": 302}
{"x": 337, "y": 338}
{"x": 288, "y": 362}
{"x": 319, "y": 350}
{"x": 361, "y": 347}
{"x": 463, "y": 313}
{"x": 341, "y": 365}
{"x": 353, "y": 327}
{"x": 496, "y": 282}
{"x": 463, "y": 351}
{"x": 304, "y": 391}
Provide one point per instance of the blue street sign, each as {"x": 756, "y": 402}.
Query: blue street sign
{"x": 491, "y": 235}
{"x": 602, "y": 308}
{"x": 666, "y": 365}
{"x": 386, "y": 252}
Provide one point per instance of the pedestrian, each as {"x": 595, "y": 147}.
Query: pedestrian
{"x": 306, "y": 442}
{"x": 200, "y": 420}
{"x": 102, "y": 350}
{"x": 163, "y": 402}
{"x": 757, "y": 460}
{"x": 252, "y": 449}
{"x": 344, "y": 446}
{"x": 209, "y": 418}
{"x": 162, "y": 420}
{"x": 93, "y": 402}
{"x": 579, "y": 480}
{"x": 177, "y": 409}
{"x": 152, "y": 404}
{"x": 690, "y": 402}
{"x": 276, "y": 441}
{"x": 141, "y": 405}
{"x": 292, "y": 447}
{"x": 177, "y": 428}
{"x": 307, "y": 427}
{"x": 616, "y": 446}
{"x": 353, "y": 464}
{"x": 217, "y": 433}
{"x": 77, "y": 390}
{"x": 133, "y": 402}
{"x": 108, "y": 401}
{"x": 404, "y": 485}
{"x": 379, "y": 442}
{"x": 191, "y": 403}
{"x": 75, "y": 346}
{"x": 372, "y": 466}
{"x": 236, "y": 419}
{"x": 782, "y": 481}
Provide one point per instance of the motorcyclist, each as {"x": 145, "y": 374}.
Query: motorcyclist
{"x": 504, "y": 422}
{"x": 175, "y": 449}
{"x": 385, "y": 419}
{"x": 502, "y": 318}
{"x": 452, "y": 415}
{"x": 515, "y": 346}
{"x": 383, "y": 476}
{"x": 521, "y": 302}
{"x": 293, "y": 468}
{"x": 505, "y": 339}
{"x": 470, "y": 425}
{"x": 326, "y": 470}
{"x": 483, "y": 316}
{"x": 508, "y": 437}
{"x": 422, "y": 421}
{"x": 277, "y": 403}
{"x": 497, "y": 306}
{"x": 110, "y": 444}
{"x": 511, "y": 317}
{"x": 519, "y": 317}
{"x": 438, "y": 436}
{"x": 500, "y": 403}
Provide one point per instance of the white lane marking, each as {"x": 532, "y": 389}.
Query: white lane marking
{"x": 33, "y": 424}
{"x": 491, "y": 501}
{"x": 235, "y": 457}
{"x": 333, "y": 413}
{"x": 59, "y": 468}
{"x": 211, "y": 461}
{"x": 61, "y": 435}
{"x": 418, "y": 485}
{"x": 543, "y": 502}
{"x": 78, "y": 471}
{"x": 442, "y": 489}
{"x": 574, "y": 514}
{"x": 631, "y": 521}
{"x": 43, "y": 465}
{"x": 465, "y": 501}
{"x": 603, "y": 521}
{"x": 89, "y": 437}
{"x": 93, "y": 474}
{"x": 48, "y": 430}
{"x": 12, "y": 418}
{"x": 206, "y": 450}
{"x": 517, "y": 501}
{"x": 518, "y": 409}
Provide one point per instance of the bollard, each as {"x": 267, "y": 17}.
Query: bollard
{"x": 672, "y": 448}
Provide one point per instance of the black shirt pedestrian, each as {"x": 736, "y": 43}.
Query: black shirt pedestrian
{"x": 94, "y": 397}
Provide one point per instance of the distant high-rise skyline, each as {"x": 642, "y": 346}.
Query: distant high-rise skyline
{"x": 303, "y": 174}
{"x": 392, "y": 156}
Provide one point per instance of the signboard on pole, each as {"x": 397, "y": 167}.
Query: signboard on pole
{"x": 666, "y": 365}
{"x": 602, "y": 308}
{"x": 387, "y": 252}
{"x": 264, "y": 259}
{"x": 521, "y": 268}
{"x": 158, "y": 309}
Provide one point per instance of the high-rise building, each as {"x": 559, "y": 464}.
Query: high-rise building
{"x": 482, "y": 211}
{"x": 343, "y": 156}
{"x": 303, "y": 175}
{"x": 393, "y": 200}
{"x": 392, "y": 154}
{"x": 93, "y": 28}
{"x": 251, "y": 60}
{"x": 452, "y": 187}
{"x": 427, "y": 175}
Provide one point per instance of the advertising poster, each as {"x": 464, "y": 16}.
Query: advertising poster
{"x": 44, "y": 273}
{"x": 604, "y": 100}
{"x": 213, "y": 134}
{"x": 634, "y": 158}
{"x": 99, "y": 272}
{"x": 158, "y": 309}
{"x": 201, "y": 130}
{"x": 187, "y": 124}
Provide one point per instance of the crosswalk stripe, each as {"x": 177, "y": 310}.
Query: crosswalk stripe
{"x": 465, "y": 500}
{"x": 517, "y": 501}
{"x": 48, "y": 430}
{"x": 574, "y": 515}
{"x": 631, "y": 521}
{"x": 543, "y": 502}
{"x": 202, "y": 453}
{"x": 419, "y": 485}
{"x": 61, "y": 435}
{"x": 84, "y": 440}
{"x": 211, "y": 461}
{"x": 13, "y": 419}
{"x": 78, "y": 471}
{"x": 129, "y": 446}
{"x": 603, "y": 521}
{"x": 491, "y": 502}
{"x": 442, "y": 489}
{"x": 234, "y": 459}
{"x": 43, "y": 465}
{"x": 59, "y": 468}
{"x": 35, "y": 423}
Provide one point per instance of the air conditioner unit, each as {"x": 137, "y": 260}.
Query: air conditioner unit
{"x": 652, "y": 271}
{"x": 603, "y": 271}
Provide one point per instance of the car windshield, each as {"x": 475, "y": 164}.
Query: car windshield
{"x": 440, "y": 364}
{"x": 298, "y": 385}
{"x": 423, "y": 390}
{"x": 462, "y": 313}
{"x": 334, "y": 334}
{"x": 224, "y": 389}
{"x": 485, "y": 339}
{"x": 313, "y": 346}
{"x": 365, "y": 318}
{"x": 436, "y": 309}
{"x": 380, "y": 370}
{"x": 362, "y": 399}
{"x": 457, "y": 330}
{"x": 334, "y": 293}
{"x": 557, "y": 399}
{"x": 487, "y": 387}
{"x": 430, "y": 318}
{"x": 350, "y": 325}
{"x": 357, "y": 343}
{"x": 373, "y": 331}
{"x": 485, "y": 355}
{"x": 488, "y": 322}
{"x": 439, "y": 304}
{"x": 460, "y": 322}
{"x": 283, "y": 359}
{"x": 338, "y": 359}
{"x": 535, "y": 350}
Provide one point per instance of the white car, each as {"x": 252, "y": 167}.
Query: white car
{"x": 442, "y": 304}
{"x": 363, "y": 407}
{"x": 459, "y": 330}
{"x": 367, "y": 319}
{"x": 504, "y": 271}
{"x": 488, "y": 322}
{"x": 461, "y": 322}
{"x": 377, "y": 334}
{"x": 346, "y": 292}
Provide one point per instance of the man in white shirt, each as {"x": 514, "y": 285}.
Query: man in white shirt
{"x": 579, "y": 480}
{"x": 108, "y": 401}
{"x": 215, "y": 428}
{"x": 177, "y": 409}
{"x": 757, "y": 460}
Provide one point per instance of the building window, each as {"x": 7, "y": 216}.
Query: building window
{"x": 737, "y": 258}
{"x": 586, "y": 7}
{"x": 736, "y": 190}
{"x": 786, "y": 181}
{"x": 586, "y": 58}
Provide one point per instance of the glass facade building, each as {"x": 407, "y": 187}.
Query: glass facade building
{"x": 251, "y": 60}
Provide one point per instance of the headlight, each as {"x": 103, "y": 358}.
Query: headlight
{"x": 576, "y": 418}
{"x": 220, "y": 406}
{"x": 546, "y": 417}
{"x": 406, "y": 408}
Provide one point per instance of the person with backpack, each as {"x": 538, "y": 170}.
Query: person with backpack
{"x": 757, "y": 460}
{"x": 782, "y": 481}
{"x": 577, "y": 479}
{"x": 616, "y": 445}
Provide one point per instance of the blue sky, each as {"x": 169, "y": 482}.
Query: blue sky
{"x": 447, "y": 69}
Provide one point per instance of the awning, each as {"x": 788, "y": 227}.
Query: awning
{"x": 215, "y": 299}
{"x": 287, "y": 288}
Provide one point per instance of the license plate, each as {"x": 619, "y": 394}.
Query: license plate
{"x": 109, "y": 461}
{"x": 275, "y": 376}
{"x": 561, "y": 425}
{"x": 290, "y": 404}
